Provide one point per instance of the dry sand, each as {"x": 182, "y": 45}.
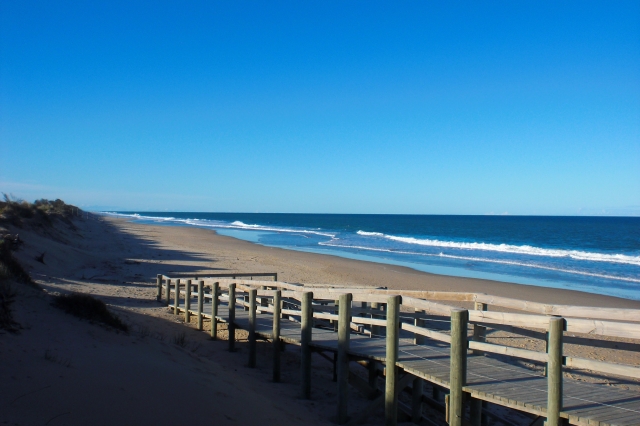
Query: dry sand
{"x": 63, "y": 371}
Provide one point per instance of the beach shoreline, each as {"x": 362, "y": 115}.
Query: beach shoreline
{"x": 307, "y": 267}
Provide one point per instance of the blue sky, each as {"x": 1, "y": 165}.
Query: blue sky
{"x": 346, "y": 107}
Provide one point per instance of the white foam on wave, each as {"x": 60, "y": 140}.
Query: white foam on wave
{"x": 479, "y": 259}
{"x": 137, "y": 216}
{"x": 233, "y": 225}
{"x": 507, "y": 248}
{"x": 370, "y": 234}
{"x": 241, "y": 225}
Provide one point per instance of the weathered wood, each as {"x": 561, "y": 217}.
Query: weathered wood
{"x": 554, "y": 371}
{"x": 508, "y": 318}
{"x": 603, "y": 367}
{"x": 159, "y": 285}
{"x": 176, "y": 297}
{"x": 277, "y": 302}
{"x": 418, "y": 339}
{"x": 168, "y": 292}
{"x": 200, "y": 303}
{"x": 458, "y": 365}
{"x": 492, "y": 380}
{"x": 306, "y": 326}
{"x": 187, "y": 302}
{"x": 372, "y": 369}
{"x": 375, "y": 329}
{"x": 342, "y": 366}
{"x": 479, "y": 331}
{"x": 416, "y": 400}
{"x": 252, "y": 327}
{"x": 435, "y": 335}
{"x": 615, "y": 314}
{"x": 508, "y": 350}
{"x": 232, "y": 317}
{"x": 214, "y": 310}
{"x": 475, "y": 411}
{"x": 392, "y": 332}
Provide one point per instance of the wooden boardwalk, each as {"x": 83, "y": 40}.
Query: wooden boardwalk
{"x": 487, "y": 378}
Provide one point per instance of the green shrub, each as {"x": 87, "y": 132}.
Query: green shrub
{"x": 89, "y": 308}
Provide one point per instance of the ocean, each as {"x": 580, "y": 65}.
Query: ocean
{"x": 593, "y": 254}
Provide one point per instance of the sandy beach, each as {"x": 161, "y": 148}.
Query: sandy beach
{"x": 61, "y": 370}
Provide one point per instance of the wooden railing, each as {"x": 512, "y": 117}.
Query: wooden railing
{"x": 332, "y": 306}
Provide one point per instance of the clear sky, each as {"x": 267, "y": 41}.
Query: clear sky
{"x": 350, "y": 107}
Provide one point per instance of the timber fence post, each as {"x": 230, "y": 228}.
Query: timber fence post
{"x": 306, "y": 324}
{"x": 277, "y": 300}
{"x": 168, "y": 292}
{"x": 159, "y": 284}
{"x": 232, "y": 317}
{"x": 418, "y": 322}
{"x": 392, "y": 336}
{"x": 458, "y": 366}
{"x": 479, "y": 335}
{"x": 215, "y": 289}
{"x": 344, "y": 324}
{"x": 200, "y": 303}
{"x": 479, "y": 331}
{"x": 253, "y": 293}
{"x": 176, "y": 297}
{"x": 416, "y": 400}
{"x": 554, "y": 371}
{"x": 263, "y": 300}
{"x": 375, "y": 329}
{"x": 187, "y": 302}
{"x": 475, "y": 411}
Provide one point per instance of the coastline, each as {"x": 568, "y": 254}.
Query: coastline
{"x": 68, "y": 368}
{"x": 232, "y": 254}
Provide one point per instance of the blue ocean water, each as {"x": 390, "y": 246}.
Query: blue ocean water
{"x": 594, "y": 254}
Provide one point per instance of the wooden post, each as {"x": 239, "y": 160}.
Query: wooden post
{"x": 187, "y": 302}
{"x": 554, "y": 371}
{"x": 373, "y": 376}
{"x": 232, "y": 317}
{"x": 375, "y": 329}
{"x": 475, "y": 411}
{"x": 168, "y": 293}
{"x": 418, "y": 322}
{"x": 200, "y": 303}
{"x": 277, "y": 300}
{"x": 263, "y": 300}
{"x": 392, "y": 336}
{"x": 159, "y": 284}
{"x": 479, "y": 331}
{"x": 479, "y": 335}
{"x": 215, "y": 289}
{"x": 383, "y": 308}
{"x": 344, "y": 324}
{"x": 246, "y": 301}
{"x": 416, "y": 400}
{"x": 458, "y": 366}
{"x": 306, "y": 325}
{"x": 176, "y": 297}
{"x": 253, "y": 293}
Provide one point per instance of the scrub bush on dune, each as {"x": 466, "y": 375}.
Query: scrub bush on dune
{"x": 89, "y": 308}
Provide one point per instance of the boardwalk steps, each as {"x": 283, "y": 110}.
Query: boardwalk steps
{"x": 423, "y": 347}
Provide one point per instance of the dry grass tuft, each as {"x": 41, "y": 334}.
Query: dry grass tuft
{"x": 89, "y": 308}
